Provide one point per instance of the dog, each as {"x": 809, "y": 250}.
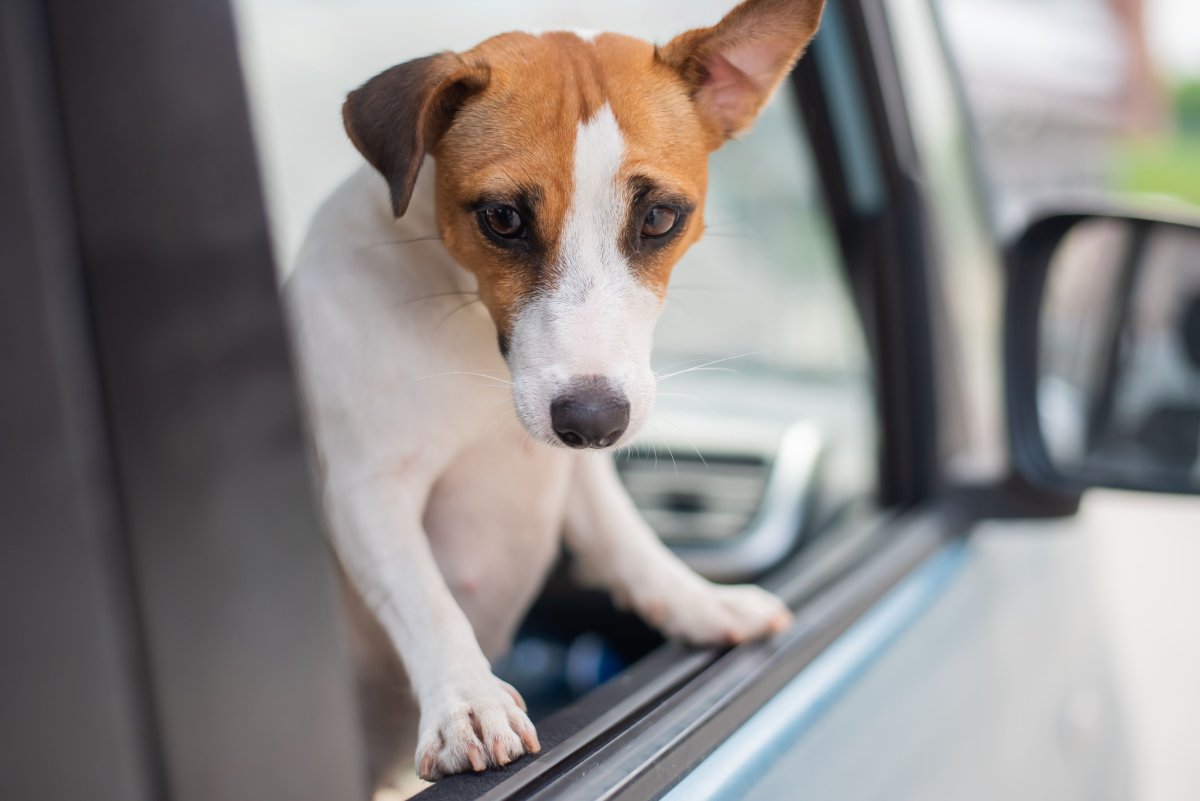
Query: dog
{"x": 504, "y": 254}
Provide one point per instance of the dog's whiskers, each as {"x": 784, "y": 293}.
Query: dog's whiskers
{"x": 671, "y": 453}
{"x": 699, "y": 288}
{"x": 703, "y": 369}
{"x": 690, "y": 442}
{"x": 495, "y": 420}
{"x": 687, "y": 397}
{"x": 430, "y": 238}
{"x": 673, "y": 364}
{"x": 453, "y": 312}
{"x": 728, "y": 235}
{"x": 652, "y": 428}
{"x": 497, "y": 379}
{"x": 706, "y": 366}
{"x": 434, "y": 296}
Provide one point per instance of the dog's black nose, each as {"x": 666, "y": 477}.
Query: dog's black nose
{"x": 592, "y": 414}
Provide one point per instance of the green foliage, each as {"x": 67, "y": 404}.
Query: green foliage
{"x": 1187, "y": 108}
{"x": 1167, "y": 164}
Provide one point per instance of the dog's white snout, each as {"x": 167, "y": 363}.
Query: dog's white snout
{"x": 591, "y": 413}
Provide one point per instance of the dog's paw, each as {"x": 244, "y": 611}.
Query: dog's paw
{"x": 702, "y": 613}
{"x": 473, "y": 726}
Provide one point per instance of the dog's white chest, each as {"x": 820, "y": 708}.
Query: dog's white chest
{"x": 494, "y": 522}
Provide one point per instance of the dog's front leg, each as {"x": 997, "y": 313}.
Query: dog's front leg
{"x": 618, "y": 549}
{"x": 469, "y": 718}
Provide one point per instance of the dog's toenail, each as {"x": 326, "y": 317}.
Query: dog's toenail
{"x": 475, "y": 758}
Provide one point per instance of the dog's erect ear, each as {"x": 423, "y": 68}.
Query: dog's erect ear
{"x": 395, "y": 118}
{"x": 734, "y": 67}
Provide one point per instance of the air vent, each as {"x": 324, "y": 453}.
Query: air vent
{"x": 693, "y": 502}
{"x": 732, "y": 501}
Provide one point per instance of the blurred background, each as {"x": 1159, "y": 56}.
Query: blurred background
{"x": 1080, "y": 96}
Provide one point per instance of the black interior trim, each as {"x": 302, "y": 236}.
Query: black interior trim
{"x": 904, "y": 277}
{"x": 888, "y": 251}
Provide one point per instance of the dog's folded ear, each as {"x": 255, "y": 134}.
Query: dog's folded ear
{"x": 734, "y": 67}
{"x": 398, "y": 116}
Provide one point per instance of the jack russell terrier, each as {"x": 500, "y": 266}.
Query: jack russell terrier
{"x": 536, "y": 192}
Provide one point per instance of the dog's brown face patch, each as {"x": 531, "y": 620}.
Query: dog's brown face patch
{"x": 570, "y": 178}
{"x": 512, "y": 148}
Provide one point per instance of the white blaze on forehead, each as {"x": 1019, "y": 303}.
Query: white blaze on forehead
{"x": 591, "y": 237}
{"x": 598, "y": 299}
{"x": 597, "y": 318}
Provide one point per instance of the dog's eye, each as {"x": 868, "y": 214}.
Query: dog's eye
{"x": 503, "y": 221}
{"x": 660, "y": 221}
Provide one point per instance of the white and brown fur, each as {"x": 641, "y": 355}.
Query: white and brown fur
{"x": 444, "y": 511}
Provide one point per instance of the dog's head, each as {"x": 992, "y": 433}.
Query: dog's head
{"x": 571, "y": 173}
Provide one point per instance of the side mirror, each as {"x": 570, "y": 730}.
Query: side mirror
{"x": 1102, "y": 354}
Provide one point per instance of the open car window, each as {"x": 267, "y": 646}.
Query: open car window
{"x": 764, "y": 436}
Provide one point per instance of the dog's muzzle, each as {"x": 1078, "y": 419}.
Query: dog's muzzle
{"x": 590, "y": 414}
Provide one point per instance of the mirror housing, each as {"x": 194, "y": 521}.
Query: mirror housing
{"x": 1102, "y": 353}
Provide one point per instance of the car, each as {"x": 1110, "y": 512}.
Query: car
{"x": 890, "y": 425}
